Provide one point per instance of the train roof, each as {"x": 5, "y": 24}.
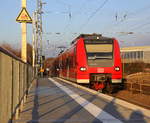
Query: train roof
{"x": 89, "y": 37}
{"x": 135, "y": 48}
{"x": 93, "y": 36}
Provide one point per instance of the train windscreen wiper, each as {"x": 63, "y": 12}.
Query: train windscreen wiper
{"x": 99, "y": 57}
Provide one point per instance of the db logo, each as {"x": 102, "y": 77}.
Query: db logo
{"x": 100, "y": 70}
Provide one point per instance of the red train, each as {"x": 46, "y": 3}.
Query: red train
{"x": 93, "y": 60}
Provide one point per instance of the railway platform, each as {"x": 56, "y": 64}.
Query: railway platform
{"x": 52, "y": 101}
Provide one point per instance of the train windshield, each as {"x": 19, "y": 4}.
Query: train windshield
{"x": 99, "y": 51}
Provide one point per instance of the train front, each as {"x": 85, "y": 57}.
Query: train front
{"x": 101, "y": 65}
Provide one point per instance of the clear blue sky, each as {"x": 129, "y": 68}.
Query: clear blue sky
{"x": 115, "y": 19}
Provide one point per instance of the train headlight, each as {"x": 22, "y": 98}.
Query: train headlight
{"x": 117, "y": 68}
{"x": 82, "y": 68}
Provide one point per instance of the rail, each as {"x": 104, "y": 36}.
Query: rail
{"x": 15, "y": 79}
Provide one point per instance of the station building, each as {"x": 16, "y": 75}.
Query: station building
{"x": 135, "y": 54}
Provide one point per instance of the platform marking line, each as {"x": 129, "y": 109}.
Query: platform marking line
{"x": 145, "y": 112}
{"x": 91, "y": 108}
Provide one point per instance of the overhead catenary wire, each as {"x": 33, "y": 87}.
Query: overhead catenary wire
{"x": 73, "y": 15}
{"x": 89, "y": 18}
{"x": 68, "y": 6}
{"x": 127, "y": 18}
{"x": 66, "y": 27}
{"x": 93, "y": 14}
{"x": 140, "y": 26}
{"x": 68, "y": 12}
{"x": 137, "y": 26}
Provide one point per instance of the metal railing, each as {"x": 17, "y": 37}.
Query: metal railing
{"x": 15, "y": 79}
{"x": 138, "y": 87}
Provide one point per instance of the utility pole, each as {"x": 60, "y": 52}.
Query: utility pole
{"x": 38, "y": 35}
{"x": 33, "y": 41}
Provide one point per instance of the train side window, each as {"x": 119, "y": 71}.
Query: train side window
{"x": 67, "y": 62}
{"x": 70, "y": 61}
{"x": 64, "y": 64}
{"x": 74, "y": 58}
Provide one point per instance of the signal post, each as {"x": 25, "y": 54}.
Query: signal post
{"x": 24, "y": 18}
{"x": 24, "y": 36}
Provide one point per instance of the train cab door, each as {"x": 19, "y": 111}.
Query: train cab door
{"x": 67, "y": 68}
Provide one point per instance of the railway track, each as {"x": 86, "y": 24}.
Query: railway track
{"x": 134, "y": 98}
{"x": 138, "y": 94}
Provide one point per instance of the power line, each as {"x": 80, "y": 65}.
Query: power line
{"x": 89, "y": 18}
{"x": 63, "y": 3}
{"x": 140, "y": 10}
{"x": 140, "y": 26}
{"x": 66, "y": 27}
{"x": 93, "y": 14}
{"x": 128, "y": 15}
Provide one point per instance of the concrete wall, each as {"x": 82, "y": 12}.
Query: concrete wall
{"x": 15, "y": 91}
{"x": 15, "y": 79}
{"x": 5, "y": 88}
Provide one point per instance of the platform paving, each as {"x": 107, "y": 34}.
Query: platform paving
{"x": 53, "y": 101}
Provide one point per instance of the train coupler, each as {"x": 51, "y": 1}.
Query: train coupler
{"x": 98, "y": 86}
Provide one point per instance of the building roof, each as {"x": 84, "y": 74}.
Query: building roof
{"x": 137, "y": 48}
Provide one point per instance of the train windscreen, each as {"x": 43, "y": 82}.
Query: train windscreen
{"x": 99, "y": 51}
{"x": 99, "y": 54}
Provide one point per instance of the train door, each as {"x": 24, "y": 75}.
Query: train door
{"x": 67, "y": 68}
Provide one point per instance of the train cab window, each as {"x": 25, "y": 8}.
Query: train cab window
{"x": 99, "y": 51}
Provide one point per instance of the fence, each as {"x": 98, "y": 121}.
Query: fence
{"x": 138, "y": 87}
{"x": 15, "y": 79}
{"x": 138, "y": 82}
